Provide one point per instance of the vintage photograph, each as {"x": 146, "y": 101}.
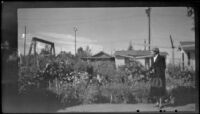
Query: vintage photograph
{"x": 102, "y": 59}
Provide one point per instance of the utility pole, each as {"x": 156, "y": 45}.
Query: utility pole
{"x": 75, "y": 29}
{"x": 172, "y": 49}
{"x": 145, "y": 45}
{"x": 24, "y": 41}
{"x": 148, "y": 12}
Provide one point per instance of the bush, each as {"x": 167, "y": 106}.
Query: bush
{"x": 72, "y": 94}
{"x": 27, "y": 79}
{"x": 178, "y": 77}
{"x": 105, "y": 69}
{"x": 182, "y": 95}
{"x": 89, "y": 95}
{"x": 114, "y": 90}
{"x": 81, "y": 66}
{"x": 180, "y": 85}
{"x": 67, "y": 77}
{"x": 69, "y": 95}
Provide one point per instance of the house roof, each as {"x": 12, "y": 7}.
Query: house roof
{"x": 132, "y": 53}
{"x": 136, "y": 53}
{"x": 187, "y": 45}
{"x": 100, "y": 55}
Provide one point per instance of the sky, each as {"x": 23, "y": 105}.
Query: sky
{"x": 105, "y": 29}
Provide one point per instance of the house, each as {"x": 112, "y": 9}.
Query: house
{"x": 143, "y": 56}
{"x": 101, "y": 56}
{"x": 187, "y": 51}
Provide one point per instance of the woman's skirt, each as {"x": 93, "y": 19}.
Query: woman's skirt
{"x": 157, "y": 87}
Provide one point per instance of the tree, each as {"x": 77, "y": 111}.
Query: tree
{"x": 190, "y": 13}
{"x": 66, "y": 56}
{"x": 45, "y": 50}
{"x": 88, "y": 51}
{"x": 84, "y": 53}
{"x": 81, "y": 52}
{"x": 130, "y": 46}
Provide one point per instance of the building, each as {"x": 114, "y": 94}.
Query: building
{"x": 187, "y": 52}
{"x": 101, "y": 56}
{"x": 143, "y": 56}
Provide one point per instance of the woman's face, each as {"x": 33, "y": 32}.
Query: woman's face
{"x": 154, "y": 53}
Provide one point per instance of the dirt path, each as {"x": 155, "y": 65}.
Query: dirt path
{"x": 125, "y": 108}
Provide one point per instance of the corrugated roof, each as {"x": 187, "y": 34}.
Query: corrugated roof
{"x": 188, "y": 48}
{"x": 136, "y": 53}
{"x": 183, "y": 43}
{"x": 187, "y": 45}
{"x": 133, "y": 53}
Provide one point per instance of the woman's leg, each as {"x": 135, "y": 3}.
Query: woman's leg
{"x": 160, "y": 102}
{"x": 157, "y": 102}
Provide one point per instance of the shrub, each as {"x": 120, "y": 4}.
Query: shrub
{"x": 181, "y": 95}
{"x": 72, "y": 94}
{"x": 66, "y": 76}
{"x": 178, "y": 77}
{"x": 27, "y": 79}
{"x": 105, "y": 68}
{"x": 80, "y": 66}
{"x": 89, "y": 95}
{"x": 180, "y": 85}
{"x": 69, "y": 96}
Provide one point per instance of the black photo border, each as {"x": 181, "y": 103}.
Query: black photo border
{"x": 9, "y": 26}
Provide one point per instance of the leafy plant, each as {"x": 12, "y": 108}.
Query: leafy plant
{"x": 180, "y": 85}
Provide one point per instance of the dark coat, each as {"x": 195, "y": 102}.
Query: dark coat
{"x": 157, "y": 82}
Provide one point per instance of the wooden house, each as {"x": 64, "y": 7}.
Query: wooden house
{"x": 187, "y": 51}
{"x": 143, "y": 56}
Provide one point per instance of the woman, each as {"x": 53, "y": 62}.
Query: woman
{"x": 157, "y": 82}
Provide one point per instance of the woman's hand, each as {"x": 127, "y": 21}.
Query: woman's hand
{"x": 152, "y": 71}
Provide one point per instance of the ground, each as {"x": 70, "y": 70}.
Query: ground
{"x": 43, "y": 102}
{"x": 125, "y": 108}
{"x": 40, "y": 101}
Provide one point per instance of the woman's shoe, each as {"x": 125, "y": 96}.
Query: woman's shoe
{"x": 156, "y": 105}
{"x": 160, "y": 106}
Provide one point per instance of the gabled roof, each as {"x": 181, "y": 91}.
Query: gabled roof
{"x": 136, "y": 53}
{"x": 132, "y": 53}
{"x": 99, "y": 56}
{"x": 102, "y": 54}
{"x": 183, "y": 43}
{"x": 187, "y": 45}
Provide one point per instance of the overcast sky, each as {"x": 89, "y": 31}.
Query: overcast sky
{"x": 105, "y": 29}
